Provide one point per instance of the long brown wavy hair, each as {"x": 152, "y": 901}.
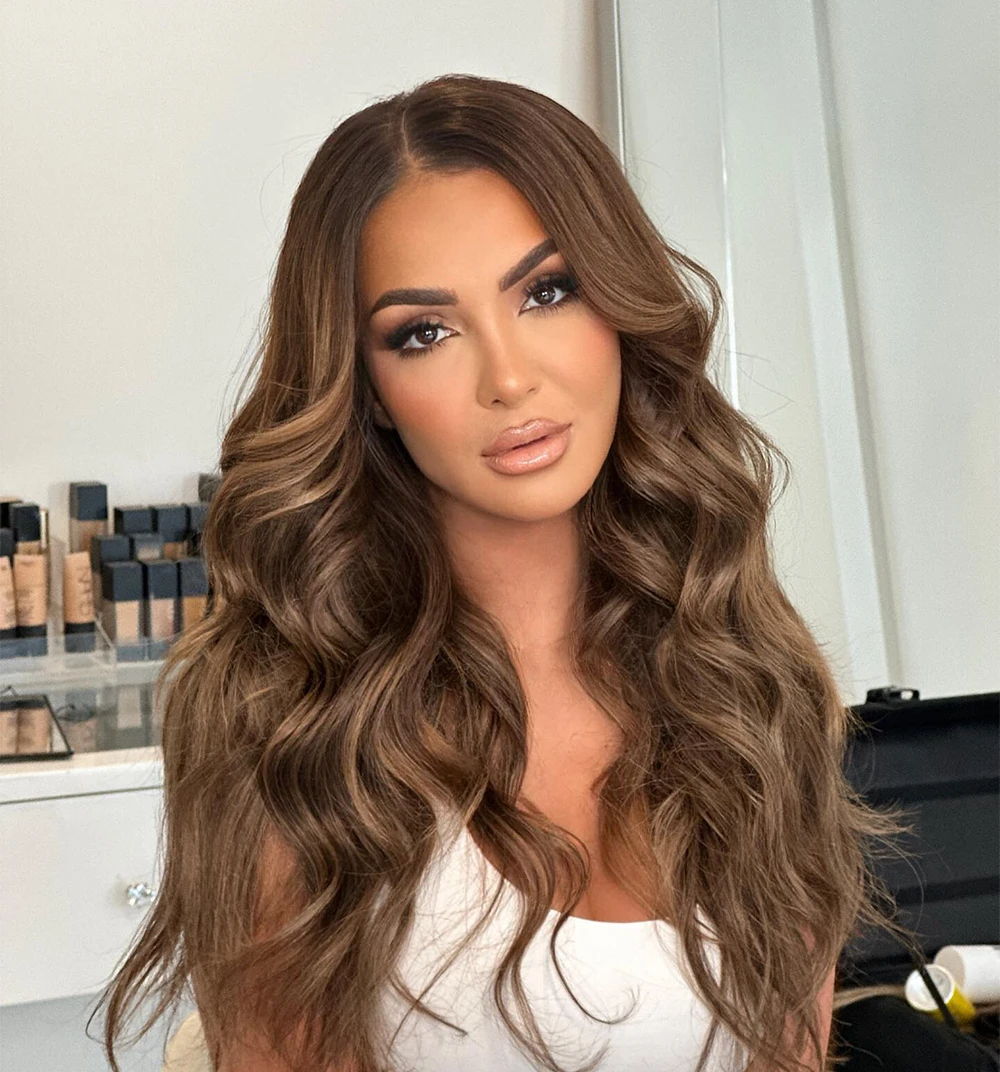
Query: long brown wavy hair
{"x": 343, "y": 686}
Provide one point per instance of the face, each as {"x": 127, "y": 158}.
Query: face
{"x": 452, "y": 371}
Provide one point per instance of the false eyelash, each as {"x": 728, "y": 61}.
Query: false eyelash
{"x": 563, "y": 280}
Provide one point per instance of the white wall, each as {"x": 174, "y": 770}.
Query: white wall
{"x": 836, "y": 170}
{"x": 917, "y": 93}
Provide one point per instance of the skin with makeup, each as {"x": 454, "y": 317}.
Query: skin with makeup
{"x": 475, "y": 329}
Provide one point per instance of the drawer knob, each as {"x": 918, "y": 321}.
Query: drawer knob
{"x": 139, "y": 894}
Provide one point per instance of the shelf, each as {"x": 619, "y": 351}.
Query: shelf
{"x": 108, "y": 662}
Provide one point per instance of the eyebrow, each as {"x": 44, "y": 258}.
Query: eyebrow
{"x": 434, "y": 296}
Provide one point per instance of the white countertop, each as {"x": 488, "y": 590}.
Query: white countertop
{"x": 85, "y": 772}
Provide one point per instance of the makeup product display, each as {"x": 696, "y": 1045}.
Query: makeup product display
{"x": 26, "y": 521}
{"x": 159, "y": 605}
{"x": 121, "y": 609}
{"x": 31, "y": 600}
{"x": 79, "y": 628}
{"x": 82, "y": 634}
{"x": 132, "y": 519}
{"x": 193, "y": 585}
{"x": 88, "y": 513}
{"x": 170, "y": 520}
{"x": 114, "y": 548}
{"x": 146, "y": 546}
{"x": 29, "y": 730}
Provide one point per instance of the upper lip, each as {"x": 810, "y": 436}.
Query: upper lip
{"x": 523, "y": 433}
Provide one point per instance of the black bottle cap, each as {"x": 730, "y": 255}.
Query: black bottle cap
{"x": 171, "y": 521}
{"x": 196, "y": 516}
{"x": 88, "y": 500}
{"x": 193, "y": 578}
{"x": 129, "y": 519}
{"x": 108, "y": 549}
{"x": 159, "y": 578}
{"x": 5, "y": 505}
{"x": 121, "y": 581}
{"x": 26, "y": 521}
{"x": 6, "y": 542}
{"x": 142, "y": 543}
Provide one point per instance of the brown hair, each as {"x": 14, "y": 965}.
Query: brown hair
{"x": 343, "y": 685}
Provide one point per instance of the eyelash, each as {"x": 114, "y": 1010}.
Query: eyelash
{"x": 562, "y": 280}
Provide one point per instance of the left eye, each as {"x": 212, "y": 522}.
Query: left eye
{"x": 551, "y": 282}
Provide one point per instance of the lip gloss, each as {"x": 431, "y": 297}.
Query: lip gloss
{"x": 531, "y": 456}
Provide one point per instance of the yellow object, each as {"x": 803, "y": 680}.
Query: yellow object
{"x": 956, "y": 1002}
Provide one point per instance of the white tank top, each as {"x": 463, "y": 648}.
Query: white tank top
{"x": 608, "y": 965}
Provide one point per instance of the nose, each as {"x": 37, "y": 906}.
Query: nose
{"x": 508, "y": 372}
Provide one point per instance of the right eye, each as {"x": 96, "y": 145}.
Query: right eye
{"x": 408, "y": 331}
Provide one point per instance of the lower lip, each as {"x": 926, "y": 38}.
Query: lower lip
{"x": 531, "y": 456}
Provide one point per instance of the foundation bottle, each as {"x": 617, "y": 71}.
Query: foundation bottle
{"x": 6, "y": 502}
{"x": 170, "y": 520}
{"x": 132, "y": 519}
{"x": 10, "y": 647}
{"x": 88, "y": 513}
{"x": 146, "y": 546}
{"x": 196, "y": 524}
{"x": 114, "y": 548}
{"x": 120, "y": 610}
{"x": 79, "y": 631}
{"x": 34, "y": 728}
{"x": 159, "y": 605}
{"x": 26, "y": 521}
{"x": 31, "y": 600}
{"x": 193, "y": 591}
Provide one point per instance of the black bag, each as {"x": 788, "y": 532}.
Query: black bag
{"x": 940, "y": 759}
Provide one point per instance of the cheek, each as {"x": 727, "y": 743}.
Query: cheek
{"x": 599, "y": 374}
{"x": 426, "y": 416}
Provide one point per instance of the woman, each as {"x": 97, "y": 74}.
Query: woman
{"x": 554, "y": 684}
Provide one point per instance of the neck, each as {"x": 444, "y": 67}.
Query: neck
{"x": 526, "y": 574}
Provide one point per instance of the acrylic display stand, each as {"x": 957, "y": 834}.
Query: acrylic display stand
{"x": 108, "y": 661}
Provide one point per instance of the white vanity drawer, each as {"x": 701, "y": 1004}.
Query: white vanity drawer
{"x": 66, "y": 866}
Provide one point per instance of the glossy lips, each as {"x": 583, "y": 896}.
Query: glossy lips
{"x": 524, "y": 433}
{"x": 531, "y": 455}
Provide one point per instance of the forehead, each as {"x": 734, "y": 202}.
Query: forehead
{"x": 432, "y": 227}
